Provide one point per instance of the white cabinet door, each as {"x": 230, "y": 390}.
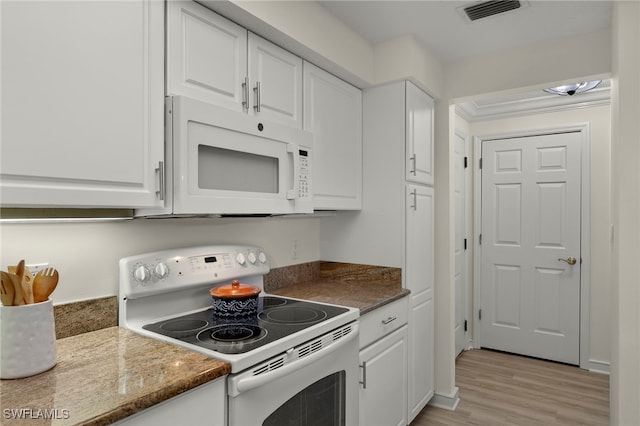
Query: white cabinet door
{"x": 206, "y": 56}
{"x": 419, "y": 135}
{"x": 212, "y": 59}
{"x": 333, "y": 112}
{"x": 383, "y": 390}
{"x": 421, "y": 356}
{"x": 419, "y": 278}
{"x": 82, "y": 103}
{"x": 203, "y": 405}
{"x": 275, "y": 77}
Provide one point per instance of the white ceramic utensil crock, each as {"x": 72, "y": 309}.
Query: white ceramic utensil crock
{"x": 27, "y": 340}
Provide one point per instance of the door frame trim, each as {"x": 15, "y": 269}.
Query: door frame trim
{"x": 468, "y": 255}
{"x": 585, "y": 231}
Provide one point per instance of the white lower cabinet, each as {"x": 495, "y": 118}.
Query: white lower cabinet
{"x": 203, "y": 405}
{"x": 383, "y": 365}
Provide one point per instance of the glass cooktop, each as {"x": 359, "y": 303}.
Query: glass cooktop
{"x": 277, "y": 317}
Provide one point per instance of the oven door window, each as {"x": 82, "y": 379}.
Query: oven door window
{"x": 319, "y": 404}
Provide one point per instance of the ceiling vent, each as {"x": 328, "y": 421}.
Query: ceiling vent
{"x": 489, "y": 8}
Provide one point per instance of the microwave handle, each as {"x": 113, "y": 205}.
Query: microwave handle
{"x": 292, "y": 194}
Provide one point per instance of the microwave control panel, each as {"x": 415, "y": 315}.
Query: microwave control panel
{"x": 303, "y": 185}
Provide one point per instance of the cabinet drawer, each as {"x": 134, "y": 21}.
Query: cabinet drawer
{"x": 382, "y": 321}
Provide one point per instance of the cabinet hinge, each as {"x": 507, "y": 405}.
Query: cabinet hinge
{"x": 465, "y": 325}
{"x": 465, "y": 243}
{"x": 480, "y": 164}
{"x": 480, "y": 314}
{"x": 465, "y": 162}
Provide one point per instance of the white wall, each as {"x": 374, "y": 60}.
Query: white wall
{"x": 554, "y": 61}
{"x": 87, "y": 254}
{"x": 599, "y": 119}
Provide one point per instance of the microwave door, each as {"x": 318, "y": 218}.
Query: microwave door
{"x": 228, "y": 163}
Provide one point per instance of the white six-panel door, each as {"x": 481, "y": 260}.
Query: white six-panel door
{"x": 530, "y": 293}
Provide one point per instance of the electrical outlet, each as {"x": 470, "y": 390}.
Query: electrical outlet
{"x": 34, "y": 268}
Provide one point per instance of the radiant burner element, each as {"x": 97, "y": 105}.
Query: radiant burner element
{"x": 292, "y": 315}
{"x": 231, "y": 333}
{"x": 183, "y": 325}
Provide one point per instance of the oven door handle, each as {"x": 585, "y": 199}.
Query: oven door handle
{"x": 242, "y": 383}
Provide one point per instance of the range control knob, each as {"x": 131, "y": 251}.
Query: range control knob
{"x": 252, "y": 257}
{"x": 161, "y": 270}
{"x": 262, "y": 257}
{"x": 142, "y": 274}
{"x": 241, "y": 259}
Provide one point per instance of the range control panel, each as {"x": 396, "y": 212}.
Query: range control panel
{"x": 174, "y": 269}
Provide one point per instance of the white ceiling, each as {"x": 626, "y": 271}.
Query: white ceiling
{"x": 445, "y": 31}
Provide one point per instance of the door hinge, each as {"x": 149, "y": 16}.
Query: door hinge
{"x": 480, "y": 164}
{"x": 465, "y": 325}
{"x": 465, "y": 243}
{"x": 465, "y": 162}
{"x": 480, "y": 239}
{"x": 480, "y": 314}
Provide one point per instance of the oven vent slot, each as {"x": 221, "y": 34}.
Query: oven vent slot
{"x": 270, "y": 366}
{"x": 310, "y": 348}
{"x": 339, "y": 334}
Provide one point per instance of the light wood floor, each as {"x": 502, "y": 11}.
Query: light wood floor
{"x": 499, "y": 389}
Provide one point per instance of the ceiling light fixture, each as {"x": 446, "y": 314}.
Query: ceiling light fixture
{"x": 572, "y": 89}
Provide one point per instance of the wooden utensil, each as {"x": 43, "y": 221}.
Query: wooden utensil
{"x": 6, "y": 289}
{"x": 43, "y": 284}
{"x": 18, "y": 295}
{"x": 26, "y": 280}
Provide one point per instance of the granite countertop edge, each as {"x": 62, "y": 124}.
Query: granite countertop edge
{"x": 110, "y": 374}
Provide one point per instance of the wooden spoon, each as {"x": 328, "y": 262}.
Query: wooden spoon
{"x": 6, "y": 289}
{"x": 43, "y": 284}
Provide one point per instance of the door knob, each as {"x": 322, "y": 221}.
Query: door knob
{"x": 569, "y": 260}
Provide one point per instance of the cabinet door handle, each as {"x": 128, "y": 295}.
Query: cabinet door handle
{"x": 389, "y": 320}
{"x": 413, "y": 164}
{"x": 245, "y": 93}
{"x": 256, "y": 90}
{"x": 364, "y": 374}
{"x": 160, "y": 190}
{"x": 414, "y": 195}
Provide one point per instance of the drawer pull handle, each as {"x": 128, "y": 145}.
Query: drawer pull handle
{"x": 389, "y": 320}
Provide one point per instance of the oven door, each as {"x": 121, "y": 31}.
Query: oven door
{"x": 313, "y": 384}
{"x": 226, "y": 162}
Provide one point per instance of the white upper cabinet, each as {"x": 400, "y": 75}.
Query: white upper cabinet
{"x": 275, "y": 76}
{"x": 212, "y": 59}
{"x": 206, "y": 56}
{"x": 419, "y": 135}
{"x": 333, "y": 112}
{"x": 82, "y": 103}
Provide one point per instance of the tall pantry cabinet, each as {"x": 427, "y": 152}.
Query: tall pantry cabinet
{"x": 395, "y": 226}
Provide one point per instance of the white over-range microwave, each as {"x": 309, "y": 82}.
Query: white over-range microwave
{"x": 222, "y": 162}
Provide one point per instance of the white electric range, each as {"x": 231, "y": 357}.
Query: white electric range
{"x": 289, "y": 350}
